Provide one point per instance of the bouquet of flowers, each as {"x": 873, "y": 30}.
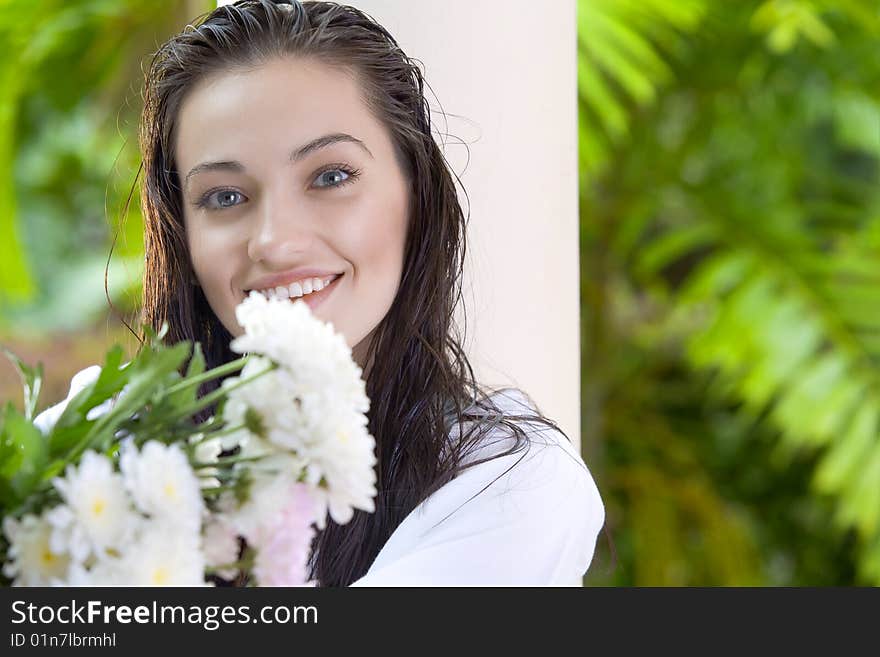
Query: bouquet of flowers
{"x": 128, "y": 489}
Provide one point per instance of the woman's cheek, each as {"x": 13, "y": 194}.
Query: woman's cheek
{"x": 213, "y": 258}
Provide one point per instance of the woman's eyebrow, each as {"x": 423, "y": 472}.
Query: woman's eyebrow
{"x": 323, "y": 142}
{"x": 229, "y": 165}
{"x": 297, "y": 154}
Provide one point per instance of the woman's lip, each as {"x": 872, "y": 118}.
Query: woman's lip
{"x": 314, "y": 299}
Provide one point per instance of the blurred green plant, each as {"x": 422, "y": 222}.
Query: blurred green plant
{"x": 730, "y": 250}
{"x": 623, "y": 46}
{"x": 68, "y": 155}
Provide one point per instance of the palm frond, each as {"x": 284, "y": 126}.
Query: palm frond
{"x": 623, "y": 45}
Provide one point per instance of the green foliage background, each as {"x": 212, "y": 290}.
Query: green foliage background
{"x": 730, "y": 234}
{"x": 69, "y": 102}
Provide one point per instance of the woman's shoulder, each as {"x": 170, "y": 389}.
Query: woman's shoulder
{"x": 507, "y": 419}
{"x": 533, "y": 453}
{"x": 529, "y": 515}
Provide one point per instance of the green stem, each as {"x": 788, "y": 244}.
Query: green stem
{"x": 165, "y": 434}
{"x": 211, "y": 436}
{"x": 228, "y": 460}
{"x": 220, "y": 370}
{"x": 220, "y": 393}
{"x": 221, "y": 432}
{"x": 217, "y": 490}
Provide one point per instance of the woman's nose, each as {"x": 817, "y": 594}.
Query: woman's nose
{"x": 279, "y": 233}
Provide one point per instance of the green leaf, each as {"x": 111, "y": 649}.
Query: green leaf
{"x": 137, "y": 382}
{"x": 607, "y": 108}
{"x": 718, "y": 276}
{"x": 623, "y": 64}
{"x": 869, "y": 565}
{"x": 863, "y": 499}
{"x": 154, "y": 338}
{"x": 23, "y": 457}
{"x": 32, "y": 380}
{"x": 196, "y": 363}
{"x": 673, "y": 246}
{"x": 784, "y": 20}
{"x": 186, "y": 396}
{"x": 847, "y": 453}
{"x": 74, "y": 423}
{"x": 195, "y": 368}
{"x": 788, "y": 338}
{"x": 151, "y": 369}
{"x": 857, "y": 120}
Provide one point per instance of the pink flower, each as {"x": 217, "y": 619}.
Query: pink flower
{"x": 285, "y": 541}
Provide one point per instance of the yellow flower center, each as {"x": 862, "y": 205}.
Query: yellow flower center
{"x": 48, "y": 557}
{"x": 50, "y": 563}
{"x": 160, "y": 576}
{"x": 98, "y": 506}
{"x": 170, "y": 491}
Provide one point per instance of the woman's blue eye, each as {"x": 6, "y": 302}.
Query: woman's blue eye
{"x": 224, "y": 198}
{"x": 331, "y": 178}
{"x": 228, "y": 198}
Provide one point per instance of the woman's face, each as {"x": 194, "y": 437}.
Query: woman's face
{"x": 287, "y": 178}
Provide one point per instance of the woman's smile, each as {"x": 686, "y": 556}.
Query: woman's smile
{"x": 313, "y": 291}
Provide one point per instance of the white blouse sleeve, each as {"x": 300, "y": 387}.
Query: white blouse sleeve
{"x": 535, "y": 524}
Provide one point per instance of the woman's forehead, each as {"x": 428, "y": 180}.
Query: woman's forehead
{"x": 280, "y": 104}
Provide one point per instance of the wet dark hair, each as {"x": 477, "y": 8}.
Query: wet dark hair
{"x": 420, "y": 382}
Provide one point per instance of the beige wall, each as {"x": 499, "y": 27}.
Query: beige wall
{"x": 507, "y": 70}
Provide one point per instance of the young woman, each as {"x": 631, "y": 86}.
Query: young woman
{"x": 287, "y": 148}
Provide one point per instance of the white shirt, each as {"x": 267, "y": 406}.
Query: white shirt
{"x": 535, "y": 524}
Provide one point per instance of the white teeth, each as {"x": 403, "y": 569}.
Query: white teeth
{"x": 298, "y": 289}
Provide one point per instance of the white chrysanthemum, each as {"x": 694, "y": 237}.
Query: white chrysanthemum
{"x": 313, "y": 404}
{"x": 96, "y": 514}
{"x": 105, "y": 571}
{"x": 310, "y": 349}
{"x": 266, "y": 407}
{"x": 161, "y": 555}
{"x": 32, "y": 561}
{"x": 342, "y": 470}
{"x": 162, "y": 483}
{"x": 276, "y": 407}
{"x": 339, "y": 469}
